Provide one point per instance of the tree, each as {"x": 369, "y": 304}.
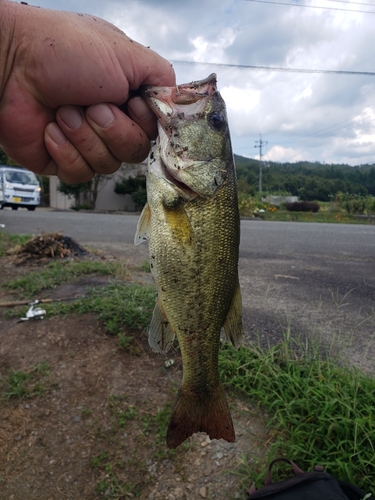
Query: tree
{"x": 3, "y": 157}
{"x": 135, "y": 186}
{"x": 73, "y": 190}
{"x": 86, "y": 190}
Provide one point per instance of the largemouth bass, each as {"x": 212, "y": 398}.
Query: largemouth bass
{"x": 192, "y": 224}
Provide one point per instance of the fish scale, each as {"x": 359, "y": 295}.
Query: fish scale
{"x": 192, "y": 224}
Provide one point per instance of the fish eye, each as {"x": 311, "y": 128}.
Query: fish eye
{"x": 216, "y": 120}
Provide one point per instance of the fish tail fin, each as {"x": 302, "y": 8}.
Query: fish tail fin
{"x": 196, "y": 413}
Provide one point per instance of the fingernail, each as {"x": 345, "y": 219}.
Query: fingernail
{"x": 101, "y": 114}
{"x": 71, "y": 116}
{"x": 139, "y": 109}
{"x": 53, "y": 130}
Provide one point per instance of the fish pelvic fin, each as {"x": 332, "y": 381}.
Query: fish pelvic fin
{"x": 143, "y": 226}
{"x": 207, "y": 413}
{"x": 233, "y": 328}
{"x": 160, "y": 333}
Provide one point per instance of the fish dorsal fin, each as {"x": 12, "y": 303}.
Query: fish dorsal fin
{"x": 233, "y": 329}
{"x": 160, "y": 334}
{"x": 143, "y": 226}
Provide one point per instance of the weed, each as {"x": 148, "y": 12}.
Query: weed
{"x": 8, "y": 241}
{"x": 328, "y": 217}
{"x": 144, "y": 266}
{"x": 21, "y": 384}
{"x": 117, "y": 304}
{"x": 127, "y": 343}
{"x": 120, "y": 416}
{"x": 156, "y": 425}
{"x": 99, "y": 460}
{"x": 58, "y": 272}
{"x": 124, "y": 341}
{"x": 110, "y": 485}
{"x": 112, "y": 488}
{"x": 321, "y": 413}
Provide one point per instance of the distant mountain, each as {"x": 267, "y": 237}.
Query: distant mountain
{"x": 308, "y": 180}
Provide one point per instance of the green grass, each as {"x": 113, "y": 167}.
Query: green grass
{"x": 121, "y": 413}
{"x": 330, "y": 217}
{"x": 8, "y": 241}
{"x": 21, "y": 384}
{"x": 117, "y": 304}
{"x": 144, "y": 266}
{"x": 320, "y": 413}
{"x": 150, "y": 431}
{"x": 58, "y": 272}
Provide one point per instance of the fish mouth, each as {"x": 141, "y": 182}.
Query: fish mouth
{"x": 168, "y": 175}
{"x": 167, "y": 102}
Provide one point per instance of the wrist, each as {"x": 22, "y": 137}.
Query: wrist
{"x": 7, "y": 41}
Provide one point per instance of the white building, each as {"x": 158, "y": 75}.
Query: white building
{"x": 107, "y": 199}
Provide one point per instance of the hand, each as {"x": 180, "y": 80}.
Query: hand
{"x": 60, "y": 104}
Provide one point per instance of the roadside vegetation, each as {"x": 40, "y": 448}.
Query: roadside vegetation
{"x": 348, "y": 209}
{"x": 58, "y": 272}
{"x": 320, "y": 410}
{"x": 8, "y": 241}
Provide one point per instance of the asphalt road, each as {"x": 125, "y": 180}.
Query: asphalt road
{"x": 316, "y": 281}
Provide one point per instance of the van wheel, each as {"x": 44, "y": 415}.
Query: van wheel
{"x": 31, "y": 208}
{"x": 14, "y": 208}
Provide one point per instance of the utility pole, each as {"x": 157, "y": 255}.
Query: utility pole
{"x": 259, "y": 144}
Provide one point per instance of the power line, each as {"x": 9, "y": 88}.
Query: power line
{"x": 272, "y": 68}
{"x": 352, "y": 3}
{"x": 312, "y": 6}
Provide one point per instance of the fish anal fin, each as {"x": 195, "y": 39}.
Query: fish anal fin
{"x": 194, "y": 412}
{"x": 160, "y": 333}
{"x": 233, "y": 328}
{"x": 143, "y": 226}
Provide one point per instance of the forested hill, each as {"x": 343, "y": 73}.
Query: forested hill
{"x": 308, "y": 180}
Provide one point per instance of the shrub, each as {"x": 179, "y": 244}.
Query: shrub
{"x": 303, "y": 206}
{"x": 353, "y": 203}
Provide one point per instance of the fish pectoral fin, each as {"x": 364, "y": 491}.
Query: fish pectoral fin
{"x": 143, "y": 226}
{"x": 160, "y": 334}
{"x": 197, "y": 412}
{"x": 233, "y": 328}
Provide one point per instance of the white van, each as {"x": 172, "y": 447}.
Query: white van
{"x": 18, "y": 188}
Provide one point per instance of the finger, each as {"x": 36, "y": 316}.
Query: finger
{"x": 74, "y": 125}
{"x": 143, "y": 116}
{"x": 72, "y": 168}
{"x": 148, "y": 68}
{"x": 125, "y": 138}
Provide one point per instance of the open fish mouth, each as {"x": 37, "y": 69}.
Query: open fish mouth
{"x": 168, "y": 175}
{"x": 171, "y": 102}
{"x": 162, "y": 170}
{"x": 188, "y": 115}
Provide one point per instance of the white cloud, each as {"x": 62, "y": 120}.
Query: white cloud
{"x": 303, "y": 116}
{"x": 212, "y": 51}
{"x": 279, "y": 153}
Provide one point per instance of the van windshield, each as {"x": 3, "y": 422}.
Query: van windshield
{"x": 21, "y": 177}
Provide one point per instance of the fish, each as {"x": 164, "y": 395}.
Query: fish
{"x": 192, "y": 225}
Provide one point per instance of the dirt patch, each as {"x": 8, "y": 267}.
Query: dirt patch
{"x": 90, "y": 423}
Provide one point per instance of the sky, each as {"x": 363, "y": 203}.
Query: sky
{"x": 326, "y": 116}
